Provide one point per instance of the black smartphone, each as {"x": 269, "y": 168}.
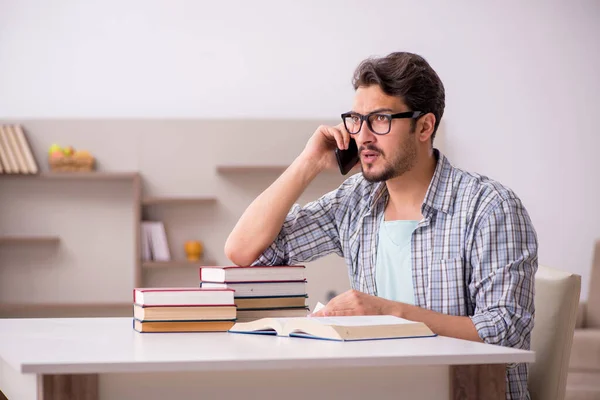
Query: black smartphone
{"x": 347, "y": 159}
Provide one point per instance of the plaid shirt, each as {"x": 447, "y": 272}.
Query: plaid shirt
{"x": 474, "y": 253}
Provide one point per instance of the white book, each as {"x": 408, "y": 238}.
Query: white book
{"x": 261, "y": 289}
{"x": 11, "y": 163}
{"x": 32, "y": 166}
{"x": 257, "y": 273}
{"x": 182, "y": 296}
{"x": 145, "y": 241}
{"x": 17, "y": 151}
{"x": 159, "y": 243}
{"x": 337, "y": 328}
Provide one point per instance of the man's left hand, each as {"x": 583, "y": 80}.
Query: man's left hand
{"x": 354, "y": 302}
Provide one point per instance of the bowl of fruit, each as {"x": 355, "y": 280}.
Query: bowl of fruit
{"x": 67, "y": 159}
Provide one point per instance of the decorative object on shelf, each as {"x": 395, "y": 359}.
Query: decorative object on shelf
{"x": 193, "y": 250}
{"x": 67, "y": 159}
{"x": 16, "y": 156}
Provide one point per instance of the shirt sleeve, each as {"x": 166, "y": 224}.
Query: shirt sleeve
{"x": 308, "y": 232}
{"x": 504, "y": 259}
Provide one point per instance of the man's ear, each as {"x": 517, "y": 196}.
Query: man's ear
{"x": 425, "y": 127}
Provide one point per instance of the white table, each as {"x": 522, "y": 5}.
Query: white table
{"x": 104, "y": 358}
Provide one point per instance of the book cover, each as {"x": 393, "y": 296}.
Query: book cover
{"x": 183, "y": 297}
{"x": 276, "y": 273}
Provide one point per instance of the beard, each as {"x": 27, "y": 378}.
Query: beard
{"x": 394, "y": 167}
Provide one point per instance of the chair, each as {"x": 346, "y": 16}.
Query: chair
{"x": 556, "y": 301}
{"x": 583, "y": 382}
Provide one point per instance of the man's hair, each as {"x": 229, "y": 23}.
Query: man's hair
{"x": 408, "y": 76}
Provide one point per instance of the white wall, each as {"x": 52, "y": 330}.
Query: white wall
{"x": 522, "y": 79}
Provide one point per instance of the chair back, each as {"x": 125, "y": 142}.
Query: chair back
{"x": 556, "y": 303}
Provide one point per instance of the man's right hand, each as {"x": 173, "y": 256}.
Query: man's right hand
{"x": 321, "y": 146}
{"x": 262, "y": 221}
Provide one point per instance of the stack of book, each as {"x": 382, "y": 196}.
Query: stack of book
{"x": 261, "y": 291}
{"x": 183, "y": 310}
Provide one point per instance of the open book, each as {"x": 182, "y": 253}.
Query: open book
{"x": 368, "y": 327}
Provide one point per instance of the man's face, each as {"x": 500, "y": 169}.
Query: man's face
{"x": 384, "y": 157}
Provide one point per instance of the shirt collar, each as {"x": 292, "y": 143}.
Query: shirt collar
{"x": 439, "y": 196}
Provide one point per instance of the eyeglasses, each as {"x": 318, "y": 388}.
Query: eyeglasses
{"x": 378, "y": 123}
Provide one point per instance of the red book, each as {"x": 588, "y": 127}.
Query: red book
{"x": 262, "y": 273}
{"x": 183, "y": 297}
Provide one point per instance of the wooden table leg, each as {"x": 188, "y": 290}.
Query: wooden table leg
{"x": 70, "y": 387}
{"x": 472, "y": 382}
{"x": 2, "y": 396}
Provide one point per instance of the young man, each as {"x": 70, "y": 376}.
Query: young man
{"x": 422, "y": 239}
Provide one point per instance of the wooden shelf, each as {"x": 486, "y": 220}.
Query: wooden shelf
{"x": 177, "y": 264}
{"x": 29, "y": 240}
{"x": 12, "y": 306}
{"x": 151, "y": 201}
{"x": 97, "y": 176}
{"x": 250, "y": 168}
{"x": 65, "y": 310}
{"x": 231, "y": 169}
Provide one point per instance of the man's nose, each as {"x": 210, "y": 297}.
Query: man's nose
{"x": 365, "y": 135}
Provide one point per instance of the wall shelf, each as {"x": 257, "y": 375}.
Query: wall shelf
{"x": 177, "y": 264}
{"x": 224, "y": 169}
{"x": 170, "y": 200}
{"x": 97, "y": 176}
{"x": 14, "y": 239}
{"x": 232, "y": 169}
{"x": 65, "y": 310}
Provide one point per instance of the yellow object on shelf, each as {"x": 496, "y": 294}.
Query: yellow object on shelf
{"x": 193, "y": 250}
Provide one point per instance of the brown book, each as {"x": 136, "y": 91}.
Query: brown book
{"x": 182, "y": 326}
{"x": 187, "y": 313}
{"x": 32, "y": 166}
{"x": 10, "y": 164}
{"x": 270, "y": 302}
{"x": 251, "y": 315}
{"x": 4, "y": 157}
{"x": 16, "y": 148}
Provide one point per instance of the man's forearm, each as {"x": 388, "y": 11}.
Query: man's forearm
{"x": 261, "y": 222}
{"x": 442, "y": 324}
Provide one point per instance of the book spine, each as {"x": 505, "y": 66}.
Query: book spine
{"x": 160, "y": 244}
{"x": 4, "y": 156}
{"x": 18, "y": 152}
{"x": 11, "y": 162}
{"x": 29, "y": 158}
{"x": 146, "y": 243}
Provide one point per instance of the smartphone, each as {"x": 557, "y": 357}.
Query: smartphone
{"x": 347, "y": 159}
